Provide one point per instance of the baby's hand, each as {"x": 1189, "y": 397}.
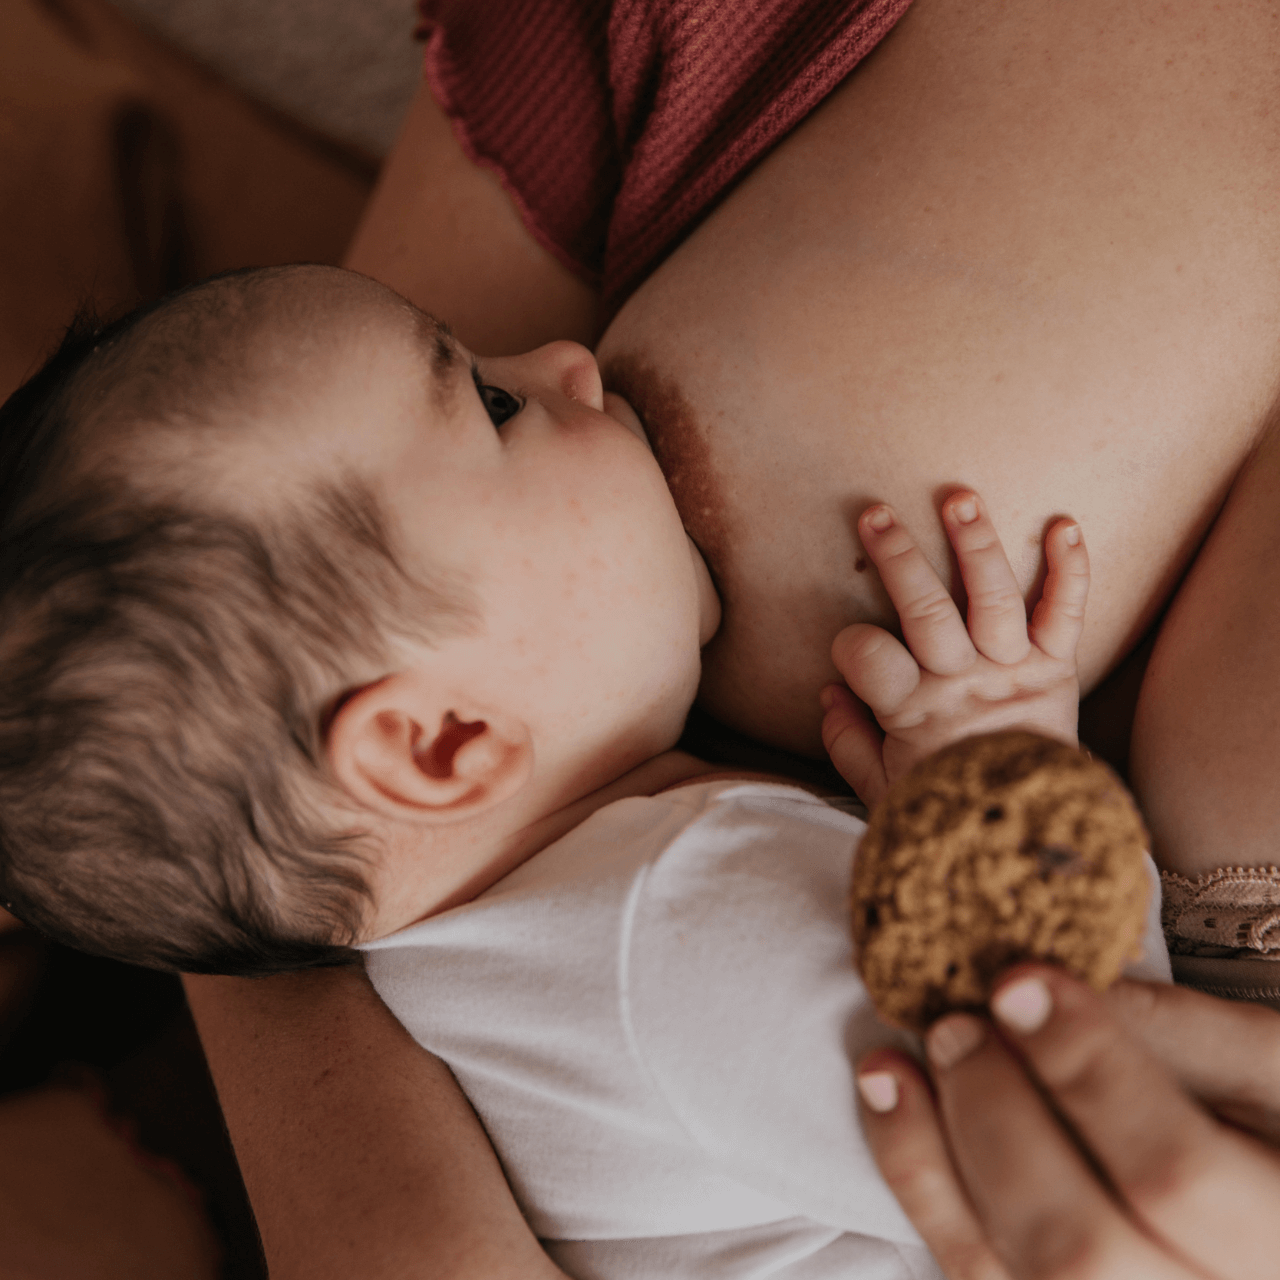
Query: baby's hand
{"x": 948, "y": 681}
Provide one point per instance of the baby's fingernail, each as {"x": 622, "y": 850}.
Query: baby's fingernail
{"x": 965, "y": 511}
{"x": 1072, "y": 535}
{"x": 828, "y": 697}
{"x": 880, "y": 518}
{"x": 879, "y": 1090}
{"x": 1023, "y": 1006}
{"x": 952, "y": 1039}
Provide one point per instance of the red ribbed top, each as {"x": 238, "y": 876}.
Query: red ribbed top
{"x": 617, "y": 125}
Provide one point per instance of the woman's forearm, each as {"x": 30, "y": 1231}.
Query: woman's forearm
{"x": 358, "y": 1150}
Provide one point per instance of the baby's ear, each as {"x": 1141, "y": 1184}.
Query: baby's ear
{"x": 414, "y": 752}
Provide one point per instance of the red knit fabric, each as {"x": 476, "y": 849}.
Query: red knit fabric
{"x": 617, "y": 125}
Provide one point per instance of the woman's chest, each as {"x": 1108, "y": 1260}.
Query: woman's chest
{"x": 1033, "y": 262}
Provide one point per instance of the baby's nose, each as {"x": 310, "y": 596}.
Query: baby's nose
{"x": 574, "y": 371}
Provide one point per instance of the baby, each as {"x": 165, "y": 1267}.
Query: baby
{"x": 319, "y": 634}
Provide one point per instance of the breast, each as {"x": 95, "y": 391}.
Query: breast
{"x": 1039, "y": 262}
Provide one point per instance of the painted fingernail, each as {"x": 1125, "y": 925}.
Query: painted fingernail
{"x": 880, "y": 519}
{"x": 879, "y": 1090}
{"x": 1023, "y": 1006}
{"x": 952, "y": 1039}
{"x": 1072, "y": 535}
{"x": 965, "y": 511}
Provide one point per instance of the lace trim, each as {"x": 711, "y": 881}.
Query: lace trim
{"x": 1232, "y": 913}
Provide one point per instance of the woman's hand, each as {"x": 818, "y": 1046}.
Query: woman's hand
{"x": 951, "y": 679}
{"x": 1072, "y": 1138}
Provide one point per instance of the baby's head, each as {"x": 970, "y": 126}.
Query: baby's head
{"x": 303, "y": 617}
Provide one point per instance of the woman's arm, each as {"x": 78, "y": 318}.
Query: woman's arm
{"x": 360, "y": 1154}
{"x": 1060, "y": 1140}
{"x": 443, "y": 232}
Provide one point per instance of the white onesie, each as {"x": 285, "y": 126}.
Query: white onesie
{"x": 656, "y": 1018}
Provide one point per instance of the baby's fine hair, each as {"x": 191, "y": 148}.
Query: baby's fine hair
{"x": 166, "y": 663}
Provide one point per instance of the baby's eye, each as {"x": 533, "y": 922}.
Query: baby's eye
{"x": 499, "y": 405}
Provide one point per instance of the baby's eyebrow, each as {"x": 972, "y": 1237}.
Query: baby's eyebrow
{"x": 436, "y": 340}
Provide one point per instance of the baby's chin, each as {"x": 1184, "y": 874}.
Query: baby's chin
{"x": 616, "y": 407}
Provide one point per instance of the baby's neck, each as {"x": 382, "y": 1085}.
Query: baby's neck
{"x": 659, "y": 773}
{"x": 478, "y": 857}
{"x": 664, "y": 772}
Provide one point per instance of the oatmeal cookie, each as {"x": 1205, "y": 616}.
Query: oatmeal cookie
{"x": 1000, "y": 848}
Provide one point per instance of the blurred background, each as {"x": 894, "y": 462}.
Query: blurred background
{"x": 145, "y": 144}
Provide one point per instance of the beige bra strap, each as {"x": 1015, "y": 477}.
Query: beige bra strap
{"x": 1223, "y": 931}
{"x": 1235, "y": 909}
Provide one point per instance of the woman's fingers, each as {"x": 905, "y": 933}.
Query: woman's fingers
{"x": 1036, "y": 1196}
{"x": 1058, "y": 618}
{"x": 931, "y": 624}
{"x": 854, "y": 742}
{"x": 1206, "y": 1190}
{"x": 1224, "y": 1052}
{"x": 997, "y": 611}
{"x": 902, "y": 1128}
{"x": 1178, "y": 1196}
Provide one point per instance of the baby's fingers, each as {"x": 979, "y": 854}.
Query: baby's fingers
{"x": 854, "y": 742}
{"x": 997, "y": 611}
{"x": 876, "y": 667}
{"x": 1058, "y": 619}
{"x": 931, "y": 624}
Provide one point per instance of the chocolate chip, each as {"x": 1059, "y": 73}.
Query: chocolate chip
{"x": 1060, "y": 859}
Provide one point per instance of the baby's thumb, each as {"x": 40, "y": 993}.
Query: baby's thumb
{"x": 854, "y": 742}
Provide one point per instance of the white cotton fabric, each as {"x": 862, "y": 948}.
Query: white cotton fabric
{"x": 656, "y": 1019}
